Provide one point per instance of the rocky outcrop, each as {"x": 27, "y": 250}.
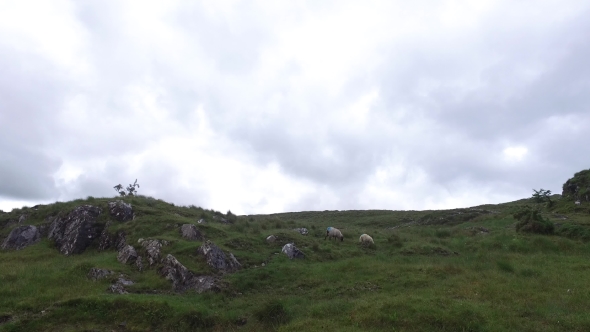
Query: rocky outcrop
{"x": 578, "y": 187}
{"x": 97, "y": 274}
{"x": 153, "y": 249}
{"x": 76, "y": 231}
{"x": 191, "y": 233}
{"x": 183, "y": 279}
{"x": 121, "y": 211}
{"x": 21, "y": 237}
{"x": 217, "y": 259}
{"x": 292, "y": 251}
{"x": 127, "y": 255}
{"x": 107, "y": 240}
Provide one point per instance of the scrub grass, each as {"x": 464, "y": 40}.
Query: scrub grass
{"x": 424, "y": 273}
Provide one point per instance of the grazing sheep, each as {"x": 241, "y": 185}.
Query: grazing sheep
{"x": 332, "y": 232}
{"x": 578, "y": 202}
{"x": 366, "y": 239}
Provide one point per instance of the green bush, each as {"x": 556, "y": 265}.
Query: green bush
{"x": 531, "y": 221}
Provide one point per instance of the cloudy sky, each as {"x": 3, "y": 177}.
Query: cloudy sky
{"x": 272, "y": 106}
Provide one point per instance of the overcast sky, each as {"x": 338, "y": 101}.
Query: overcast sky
{"x": 273, "y": 106}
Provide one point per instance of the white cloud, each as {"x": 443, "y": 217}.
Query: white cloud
{"x": 271, "y": 106}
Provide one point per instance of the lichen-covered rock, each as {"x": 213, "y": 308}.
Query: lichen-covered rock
{"x": 76, "y": 231}
{"x": 183, "y": 279}
{"x": 190, "y": 232}
{"x": 21, "y": 237}
{"x": 292, "y": 251}
{"x": 271, "y": 239}
{"x": 127, "y": 255}
{"x": 121, "y": 211}
{"x": 97, "y": 274}
{"x": 152, "y": 248}
{"x": 22, "y": 218}
{"x": 217, "y": 259}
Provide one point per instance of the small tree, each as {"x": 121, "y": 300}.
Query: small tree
{"x": 541, "y": 195}
{"x": 131, "y": 191}
{"x": 119, "y": 189}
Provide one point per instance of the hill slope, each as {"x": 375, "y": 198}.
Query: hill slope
{"x": 451, "y": 270}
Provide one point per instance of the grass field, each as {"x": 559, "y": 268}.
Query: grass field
{"x": 453, "y": 270}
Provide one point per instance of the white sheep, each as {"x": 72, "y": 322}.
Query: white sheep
{"x": 365, "y": 238}
{"x": 577, "y": 202}
{"x": 332, "y": 232}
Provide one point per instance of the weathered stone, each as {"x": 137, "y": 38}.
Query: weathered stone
{"x": 22, "y": 218}
{"x": 21, "y": 237}
{"x": 271, "y": 239}
{"x": 127, "y": 255}
{"x": 97, "y": 274}
{"x": 292, "y": 252}
{"x": 76, "y": 231}
{"x": 139, "y": 263}
{"x": 107, "y": 240}
{"x": 190, "y": 232}
{"x": 119, "y": 286}
{"x": 183, "y": 279}
{"x": 121, "y": 211}
{"x": 217, "y": 259}
{"x": 302, "y": 231}
{"x": 152, "y": 248}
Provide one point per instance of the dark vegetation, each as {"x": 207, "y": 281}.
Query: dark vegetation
{"x": 518, "y": 266}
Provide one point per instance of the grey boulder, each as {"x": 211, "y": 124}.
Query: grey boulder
{"x": 127, "y": 255}
{"x": 121, "y": 211}
{"x": 190, "y": 232}
{"x": 217, "y": 259}
{"x": 21, "y": 237}
{"x": 292, "y": 251}
{"x": 76, "y": 231}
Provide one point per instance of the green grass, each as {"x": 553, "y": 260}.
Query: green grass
{"x": 436, "y": 272}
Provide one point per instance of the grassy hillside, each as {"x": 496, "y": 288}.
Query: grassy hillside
{"x": 452, "y": 270}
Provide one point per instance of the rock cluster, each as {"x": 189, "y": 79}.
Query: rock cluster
{"x": 183, "y": 279}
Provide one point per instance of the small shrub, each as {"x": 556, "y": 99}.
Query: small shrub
{"x": 531, "y": 221}
{"x": 273, "y": 313}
